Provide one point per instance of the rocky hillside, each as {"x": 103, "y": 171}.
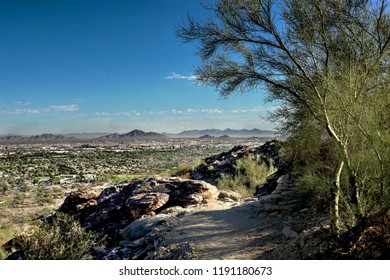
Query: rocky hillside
{"x": 176, "y": 218}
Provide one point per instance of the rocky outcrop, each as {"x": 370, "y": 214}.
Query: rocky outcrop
{"x": 285, "y": 197}
{"x": 212, "y": 167}
{"x": 121, "y": 209}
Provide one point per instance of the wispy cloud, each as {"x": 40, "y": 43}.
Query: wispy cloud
{"x": 21, "y": 103}
{"x": 157, "y": 113}
{"x": 190, "y": 111}
{"x": 248, "y": 110}
{"x": 175, "y": 76}
{"x": 103, "y": 114}
{"x": 33, "y": 111}
{"x": 126, "y": 114}
{"x": 63, "y": 108}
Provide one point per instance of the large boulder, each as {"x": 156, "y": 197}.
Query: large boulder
{"x": 189, "y": 192}
{"x": 78, "y": 201}
{"x": 145, "y": 203}
{"x": 155, "y": 185}
{"x": 230, "y": 194}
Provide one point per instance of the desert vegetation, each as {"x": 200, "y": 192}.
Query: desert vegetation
{"x": 249, "y": 173}
{"x": 60, "y": 239}
{"x": 35, "y": 178}
{"x": 327, "y": 64}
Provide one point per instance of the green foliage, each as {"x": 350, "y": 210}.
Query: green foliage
{"x": 6, "y": 234}
{"x": 18, "y": 199}
{"x": 314, "y": 182}
{"x": 64, "y": 239}
{"x": 249, "y": 173}
{"x": 44, "y": 195}
{"x": 184, "y": 169}
{"x": 327, "y": 62}
{"x": 56, "y": 180}
{"x": 4, "y": 187}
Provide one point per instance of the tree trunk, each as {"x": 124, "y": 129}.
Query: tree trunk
{"x": 334, "y": 202}
{"x": 354, "y": 200}
{"x": 353, "y": 187}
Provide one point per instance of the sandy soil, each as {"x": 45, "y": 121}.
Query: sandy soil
{"x": 221, "y": 230}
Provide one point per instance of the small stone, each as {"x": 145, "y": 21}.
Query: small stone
{"x": 250, "y": 199}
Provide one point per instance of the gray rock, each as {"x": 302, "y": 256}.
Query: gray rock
{"x": 106, "y": 194}
{"x": 193, "y": 192}
{"x": 287, "y": 193}
{"x": 141, "y": 204}
{"x": 270, "y": 208}
{"x": 289, "y": 233}
{"x": 226, "y": 200}
{"x": 269, "y": 199}
{"x": 234, "y": 195}
{"x": 142, "y": 226}
{"x": 159, "y": 185}
{"x": 250, "y": 199}
{"x": 283, "y": 179}
{"x": 171, "y": 210}
{"x": 78, "y": 200}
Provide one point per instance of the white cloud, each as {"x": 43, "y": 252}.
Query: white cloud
{"x": 174, "y": 111}
{"x": 64, "y": 108}
{"x": 175, "y": 76}
{"x": 248, "y": 110}
{"x": 34, "y": 111}
{"x": 21, "y": 103}
{"x": 103, "y": 114}
{"x": 158, "y": 113}
{"x": 126, "y": 114}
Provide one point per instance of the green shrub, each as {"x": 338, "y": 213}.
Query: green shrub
{"x": 64, "y": 239}
{"x": 18, "y": 199}
{"x": 44, "y": 196}
{"x": 6, "y": 234}
{"x": 310, "y": 181}
{"x": 250, "y": 172}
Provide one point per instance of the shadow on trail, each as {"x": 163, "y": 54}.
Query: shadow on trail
{"x": 233, "y": 233}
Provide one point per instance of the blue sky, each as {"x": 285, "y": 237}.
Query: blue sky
{"x": 108, "y": 66}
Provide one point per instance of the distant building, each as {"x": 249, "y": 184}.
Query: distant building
{"x": 88, "y": 178}
{"x": 65, "y": 179}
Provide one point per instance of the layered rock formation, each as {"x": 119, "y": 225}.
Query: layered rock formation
{"x": 130, "y": 212}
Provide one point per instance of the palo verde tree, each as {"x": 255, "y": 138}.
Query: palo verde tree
{"x": 327, "y": 60}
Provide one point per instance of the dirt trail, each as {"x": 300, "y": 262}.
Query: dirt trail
{"x": 221, "y": 230}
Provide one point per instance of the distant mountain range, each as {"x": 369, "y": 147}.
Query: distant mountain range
{"x": 137, "y": 135}
{"x": 47, "y": 137}
{"x": 228, "y": 132}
